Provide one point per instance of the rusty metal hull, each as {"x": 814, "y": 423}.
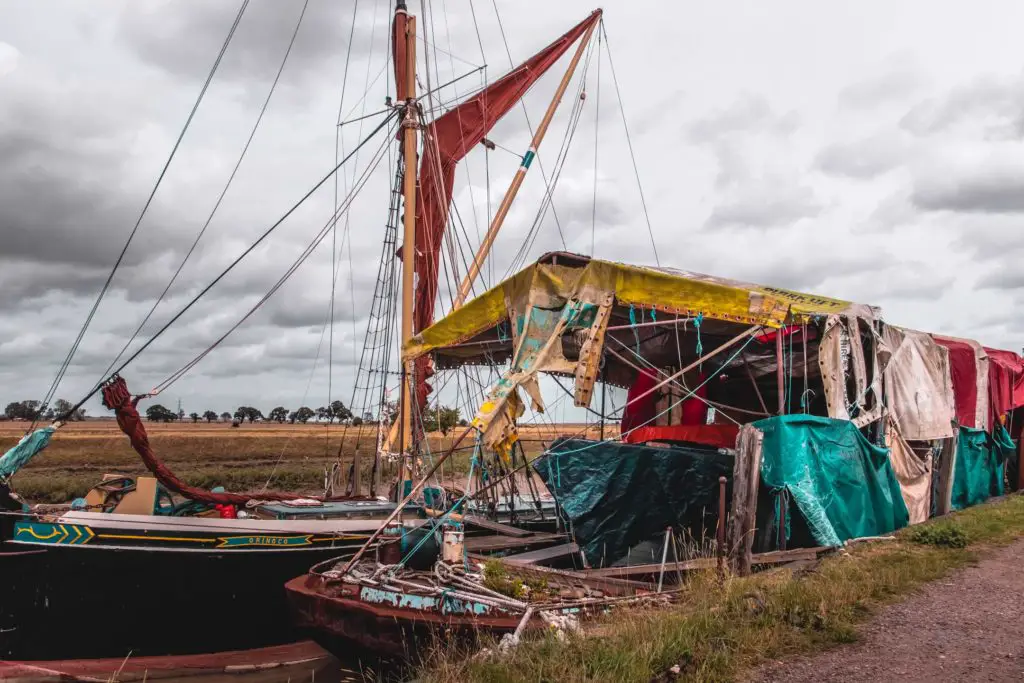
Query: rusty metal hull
{"x": 339, "y": 613}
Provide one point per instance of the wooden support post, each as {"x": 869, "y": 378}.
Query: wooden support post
{"x": 1020, "y": 462}
{"x": 780, "y": 374}
{"x": 720, "y": 531}
{"x": 357, "y": 474}
{"x": 803, "y": 396}
{"x": 746, "y": 478}
{"x": 783, "y": 512}
{"x": 947, "y": 470}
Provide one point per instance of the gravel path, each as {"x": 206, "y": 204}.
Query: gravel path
{"x": 966, "y": 627}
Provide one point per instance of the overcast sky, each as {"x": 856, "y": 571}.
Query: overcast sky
{"x": 868, "y": 151}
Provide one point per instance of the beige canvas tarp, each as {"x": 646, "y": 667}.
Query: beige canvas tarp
{"x": 913, "y": 473}
{"x": 918, "y": 385}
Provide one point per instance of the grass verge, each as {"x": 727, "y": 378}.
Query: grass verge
{"x": 717, "y": 631}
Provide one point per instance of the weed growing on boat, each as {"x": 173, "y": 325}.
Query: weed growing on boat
{"x": 497, "y": 578}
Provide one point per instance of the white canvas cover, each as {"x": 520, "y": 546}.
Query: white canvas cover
{"x": 918, "y": 385}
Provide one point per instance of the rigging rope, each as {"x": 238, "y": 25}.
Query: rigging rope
{"x": 629, "y": 142}
{"x": 310, "y": 248}
{"x": 227, "y": 186}
{"x": 229, "y": 268}
{"x": 131, "y": 236}
{"x": 334, "y": 225}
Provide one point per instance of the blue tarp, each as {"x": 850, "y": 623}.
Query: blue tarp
{"x": 843, "y": 486}
{"x": 26, "y": 449}
{"x": 618, "y": 495}
{"x": 978, "y": 472}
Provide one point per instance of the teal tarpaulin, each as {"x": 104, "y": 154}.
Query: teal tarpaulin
{"x": 843, "y": 486}
{"x": 26, "y": 449}
{"x": 618, "y": 495}
{"x": 978, "y": 472}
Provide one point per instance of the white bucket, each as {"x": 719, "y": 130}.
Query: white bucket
{"x": 452, "y": 547}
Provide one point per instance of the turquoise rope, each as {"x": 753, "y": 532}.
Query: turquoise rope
{"x": 632, "y": 323}
{"x": 696, "y": 324}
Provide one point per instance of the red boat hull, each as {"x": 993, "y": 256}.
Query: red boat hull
{"x": 296, "y": 661}
{"x": 338, "y": 620}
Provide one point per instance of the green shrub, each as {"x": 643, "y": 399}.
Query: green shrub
{"x": 944, "y": 535}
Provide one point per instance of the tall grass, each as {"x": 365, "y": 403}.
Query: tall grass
{"x": 718, "y": 629}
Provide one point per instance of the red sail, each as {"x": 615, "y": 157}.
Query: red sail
{"x": 448, "y": 139}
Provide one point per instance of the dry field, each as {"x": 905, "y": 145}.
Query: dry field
{"x": 291, "y": 457}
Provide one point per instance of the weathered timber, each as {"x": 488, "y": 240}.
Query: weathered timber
{"x": 947, "y": 465}
{"x": 555, "y": 552}
{"x": 496, "y": 527}
{"x": 746, "y": 477}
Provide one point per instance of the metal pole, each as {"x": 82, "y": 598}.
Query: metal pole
{"x": 517, "y": 180}
{"x": 780, "y": 374}
{"x": 720, "y": 535}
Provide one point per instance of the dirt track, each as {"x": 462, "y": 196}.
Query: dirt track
{"x": 967, "y": 627}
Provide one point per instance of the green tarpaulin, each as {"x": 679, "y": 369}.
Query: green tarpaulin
{"x": 618, "y": 495}
{"x": 843, "y": 486}
{"x": 978, "y": 472}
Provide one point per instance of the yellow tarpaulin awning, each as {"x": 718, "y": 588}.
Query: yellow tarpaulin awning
{"x": 663, "y": 289}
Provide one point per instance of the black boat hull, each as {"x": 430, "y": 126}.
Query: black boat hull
{"x": 78, "y": 602}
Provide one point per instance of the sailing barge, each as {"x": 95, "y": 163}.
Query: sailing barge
{"x": 151, "y": 550}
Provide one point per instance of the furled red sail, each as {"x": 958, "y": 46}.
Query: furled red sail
{"x": 446, "y": 141}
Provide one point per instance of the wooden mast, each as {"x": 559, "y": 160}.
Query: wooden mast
{"x": 517, "y": 180}
{"x": 410, "y": 124}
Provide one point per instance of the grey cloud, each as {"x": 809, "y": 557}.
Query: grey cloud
{"x": 994, "y": 104}
{"x": 748, "y": 114}
{"x": 767, "y": 206}
{"x": 184, "y": 37}
{"x": 901, "y": 80}
{"x": 986, "y": 189}
{"x": 863, "y": 159}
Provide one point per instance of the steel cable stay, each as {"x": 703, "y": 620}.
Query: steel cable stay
{"x": 145, "y": 208}
{"x": 334, "y": 226}
{"x": 629, "y": 142}
{"x": 220, "y": 199}
{"x": 310, "y": 248}
{"x": 563, "y": 152}
{"x": 92, "y": 392}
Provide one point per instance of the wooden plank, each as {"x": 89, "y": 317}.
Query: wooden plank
{"x": 496, "y": 527}
{"x": 774, "y": 557}
{"x": 607, "y": 584}
{"x": 654, "y": 568}
{"x": 490, "y": 544}
{"x": 555, "y": 552}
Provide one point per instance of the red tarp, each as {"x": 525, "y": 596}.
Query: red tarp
{"x": 723, "y": 436}
{"x": 963, "y": 366}
{"x": 1005, "y": 382}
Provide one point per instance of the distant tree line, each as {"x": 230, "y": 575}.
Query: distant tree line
{"x": 34, "y": 410}
{"x": 437, "y": 419}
